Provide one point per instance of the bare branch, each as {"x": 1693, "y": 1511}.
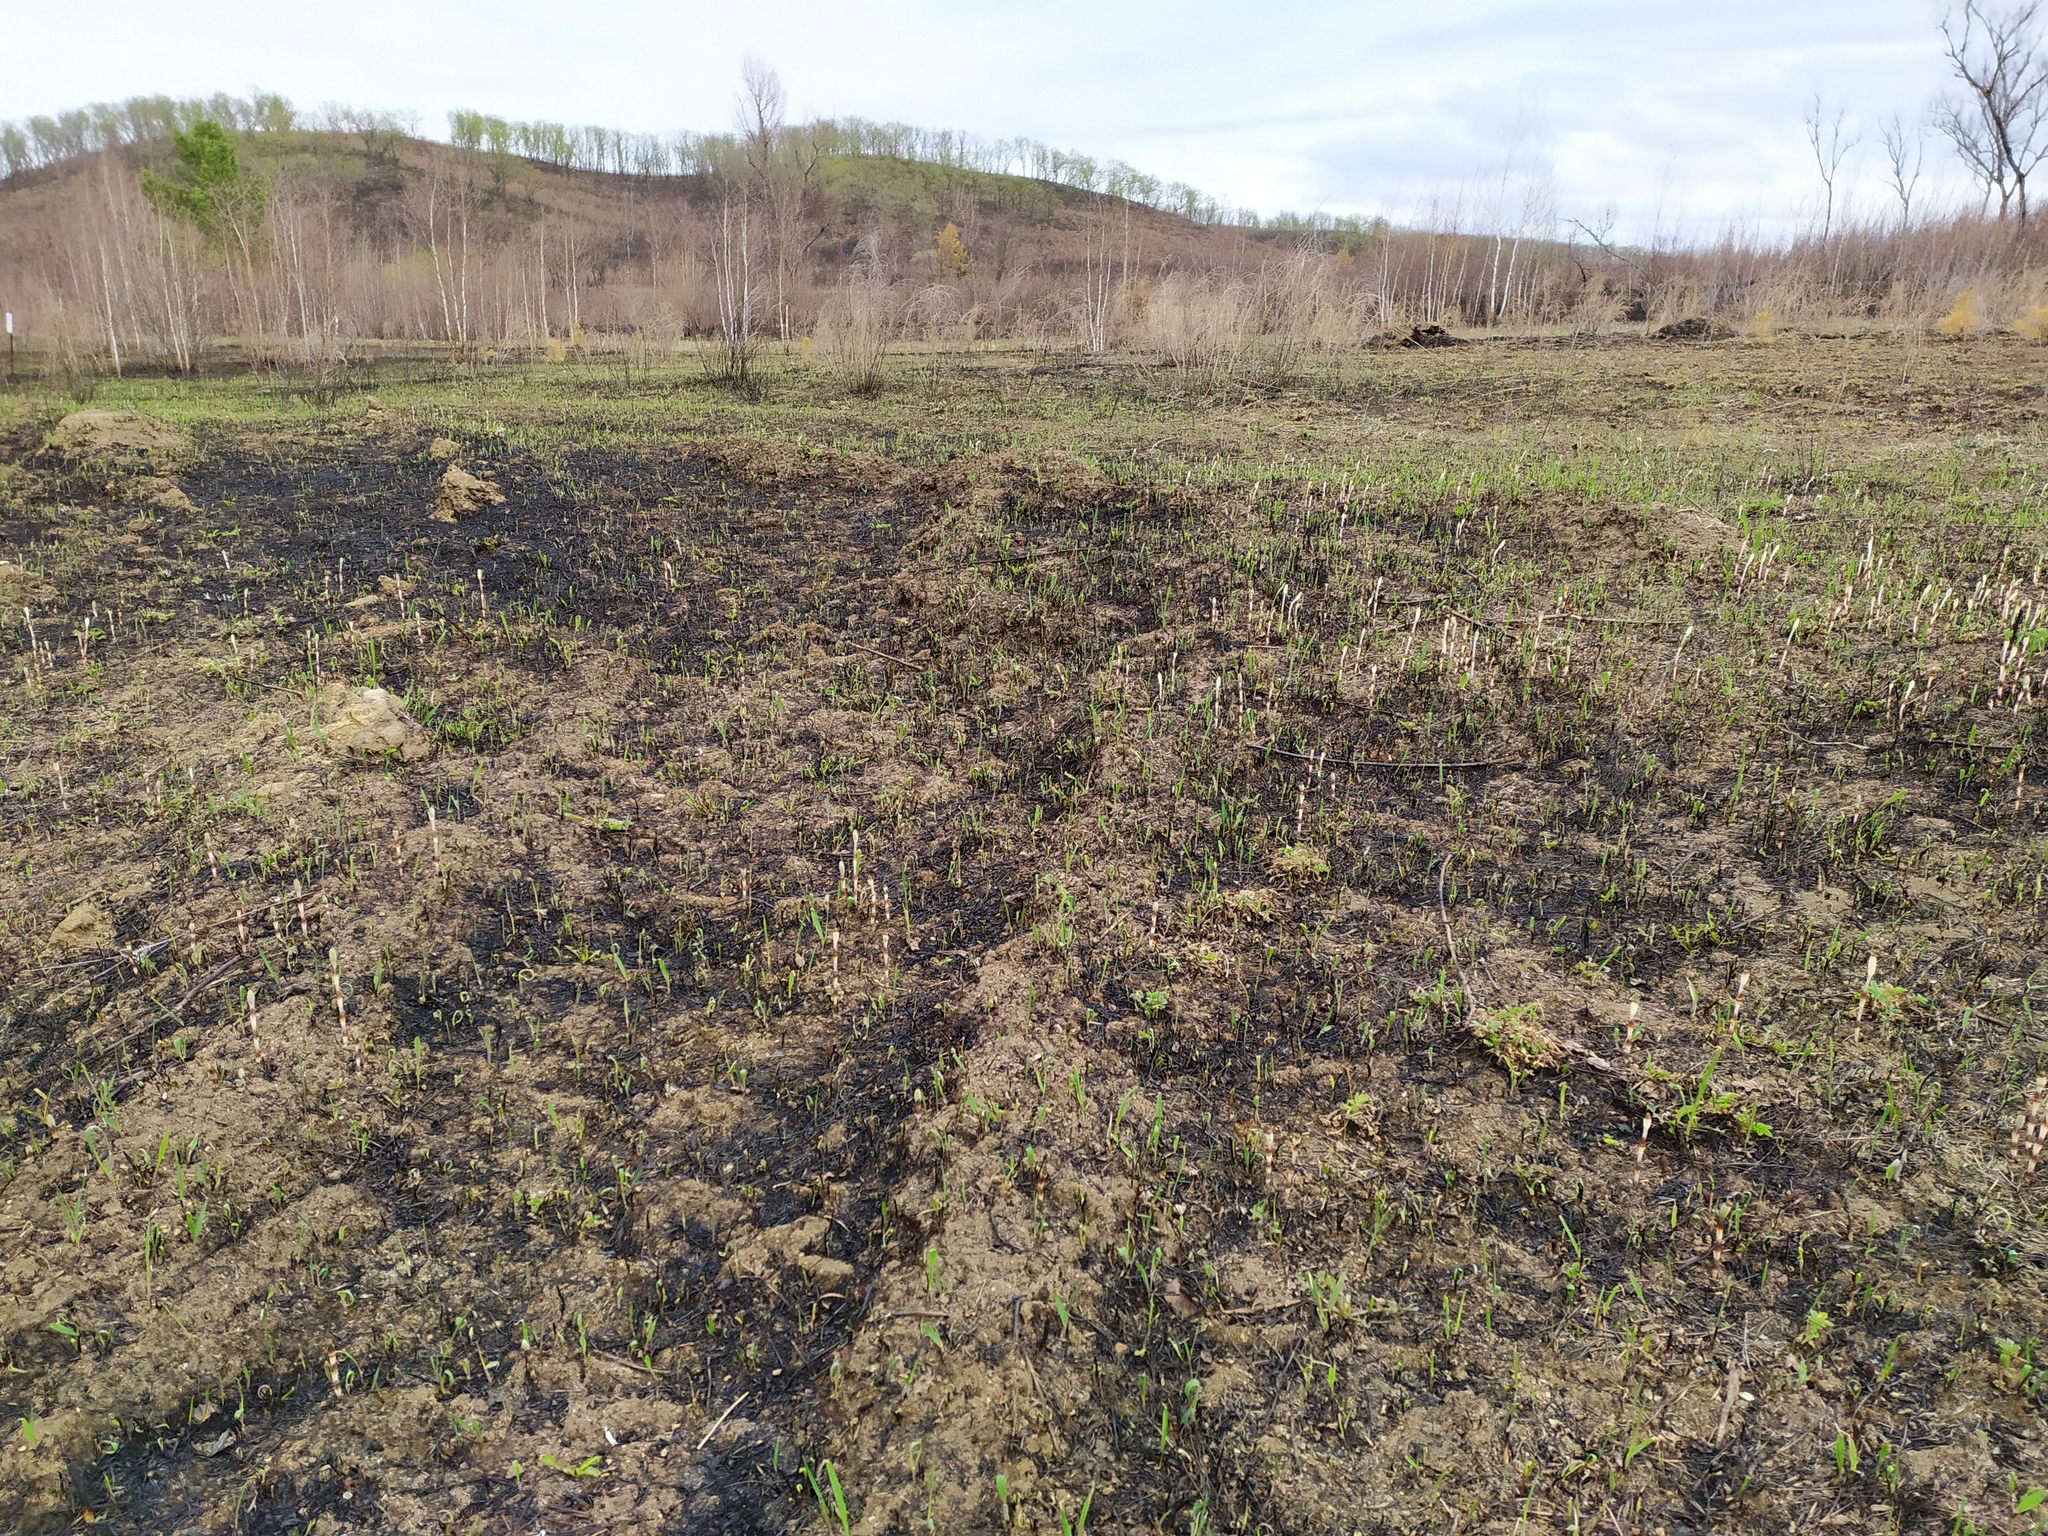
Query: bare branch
{"x": 1830, "y": 149}
{"x": 1904, "y": 151}
{"x": 1999, "y": 126}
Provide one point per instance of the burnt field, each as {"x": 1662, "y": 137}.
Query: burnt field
{"x": 1449, "y": 948}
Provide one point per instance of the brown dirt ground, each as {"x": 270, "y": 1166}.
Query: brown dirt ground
{"x": 941, "y": 969}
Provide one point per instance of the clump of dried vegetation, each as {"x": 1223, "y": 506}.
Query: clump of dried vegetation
{"x": 1452, "y": 944}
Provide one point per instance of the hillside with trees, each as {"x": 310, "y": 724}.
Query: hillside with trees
{"x": 157, "y": 234}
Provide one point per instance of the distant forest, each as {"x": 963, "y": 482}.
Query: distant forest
{"x": 176, "y": 235}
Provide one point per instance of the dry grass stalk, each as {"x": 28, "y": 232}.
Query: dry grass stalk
{"x": 2030, "y": 1136}
{"x": 856, "y": 321}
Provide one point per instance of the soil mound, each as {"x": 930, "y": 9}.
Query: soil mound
{"x": 22, "y": 588}
{"x": 160, "y": 492}
{"x": 1694, "y": 328}
{"x": 1622, "y": 535}
{"x": 464, "y": 495}
{"x": 1431, "y": 336}
{"x": 369, "y": 722}
{"x": 782, "y": 461}
{"x": 1691, "y": 531}
{"x": 85, "y": 928}
{"x": 117, "y": 434}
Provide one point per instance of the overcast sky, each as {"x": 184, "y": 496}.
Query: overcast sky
{"x": 1679, "y": 118}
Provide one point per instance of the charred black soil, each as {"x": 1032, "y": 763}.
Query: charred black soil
{"x": 1431, "y": 980}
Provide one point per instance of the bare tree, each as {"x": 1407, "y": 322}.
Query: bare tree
{"x": 732, "y": 261}
{"x": 1830, "y": 149}
{"x": 2000, "y": 125}
{"x": 380, "y": 133}
{"x": 853, "y": 329}
{"x": 743, "y": 192}
{"x": 758, "y": 114}
{"x": 780, "y": 165}
{"x": 1098, "y": 274}
{"x": 1903, "y": 150}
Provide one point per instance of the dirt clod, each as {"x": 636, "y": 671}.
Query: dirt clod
{"x": 1694, "y": 328}
{"x": 86, "y": 927}
{"x": 463, "y": 495}
{"x": 118, "y": 435}
{"x": 161, "y": 492}
{"x": 22, "y": 588}
{"x": 369, "y": 722}
{"x": 1431, "y": 336}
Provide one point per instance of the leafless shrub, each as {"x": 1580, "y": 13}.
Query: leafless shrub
{"x": 855, "y": 323}
{"x": 1105, "y": 288}
{"x": 935, "y": 312}
{"x": 1198, "y": 322}
{"x": 1298, "y": 309}
{"x": 1831, "y": 142}
{"x": 735, "y": 261}
{"x": 651, "y": 339}
{"x": 1904, "y": 153}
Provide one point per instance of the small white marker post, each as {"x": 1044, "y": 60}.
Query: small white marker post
{"x": 10, "y": 346}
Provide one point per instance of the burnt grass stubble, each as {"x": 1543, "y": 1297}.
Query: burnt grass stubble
{"x": 1167, "y": 1176}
